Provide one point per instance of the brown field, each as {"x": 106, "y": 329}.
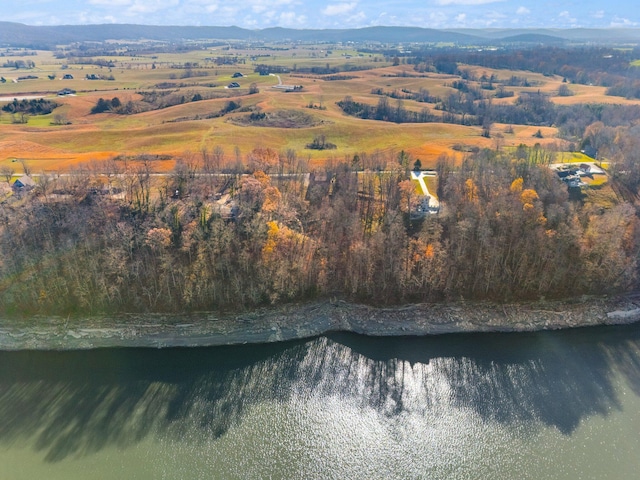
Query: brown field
{"x": 186, "y": 128}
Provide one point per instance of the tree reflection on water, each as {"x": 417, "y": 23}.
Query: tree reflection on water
{"x": 76, "y": 403}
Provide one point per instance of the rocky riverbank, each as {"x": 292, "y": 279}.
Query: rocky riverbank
{"x": 308, "y": 320}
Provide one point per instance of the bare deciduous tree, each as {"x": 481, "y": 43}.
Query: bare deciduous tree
{"x": 26, "y": 169}
{"x": 7, "y": 172}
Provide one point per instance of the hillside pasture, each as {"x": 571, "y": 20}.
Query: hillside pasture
{"x": 195, "y": 125}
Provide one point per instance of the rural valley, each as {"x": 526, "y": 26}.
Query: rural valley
{"x": 318, "y": 252}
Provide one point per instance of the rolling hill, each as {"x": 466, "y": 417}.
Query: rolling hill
{"x": 20, "y": 35}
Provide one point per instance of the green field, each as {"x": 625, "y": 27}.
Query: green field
{"x": 573, "y": 157}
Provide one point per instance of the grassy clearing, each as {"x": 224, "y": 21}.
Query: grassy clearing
{"x": 417, "y": 187}
{"x": 596, "y": 181}
{"x": 603, "y": 196}
{"x": 573, "y": 157}
{"x": 432, "y": 185}
{"x": 277, "y": 119}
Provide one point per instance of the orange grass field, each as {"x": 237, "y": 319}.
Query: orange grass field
{"x": 87, "y": 137}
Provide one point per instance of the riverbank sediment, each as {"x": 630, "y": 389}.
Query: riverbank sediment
{"x": 308, "y": 320}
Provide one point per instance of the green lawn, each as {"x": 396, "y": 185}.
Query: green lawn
{"x": 573, "y": 157}
{"x": 432, "y": 185}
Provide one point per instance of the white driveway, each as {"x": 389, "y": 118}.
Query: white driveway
{"x": 419, "y": 176}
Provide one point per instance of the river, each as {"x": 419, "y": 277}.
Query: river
{"x": 550, "y": 405}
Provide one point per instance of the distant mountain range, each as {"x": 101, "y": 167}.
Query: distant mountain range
{"x": 19, "y": 35}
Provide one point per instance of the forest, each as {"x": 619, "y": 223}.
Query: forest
{"x": 508, "y": 230}
{"x": 606, "y": 66}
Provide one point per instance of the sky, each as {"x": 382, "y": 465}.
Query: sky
{"x": 257, "y": 14}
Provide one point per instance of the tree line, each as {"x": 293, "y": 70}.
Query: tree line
{"x": 34, "y": 106}
{"x": 159, "y": 99}
{"x": 384, "y": 111}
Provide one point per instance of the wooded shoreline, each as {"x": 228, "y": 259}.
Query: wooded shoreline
{"x": 298, "y": 321}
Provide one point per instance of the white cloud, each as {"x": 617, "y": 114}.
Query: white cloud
{"x": 269, "y": 16}
{"x": 567, "y": 18}
{"x": 385, "y": 19}
{"x": 436, "y": 19}
{"x": 250, "y": 22}
{"x": 198, "y": 9}
{"x": 290, "y": 19}
{"x": 316, "y": 14}
{"x": 339, "y": 8}
{"x": 357, "y": 18}
{"x": 623, "y": 22}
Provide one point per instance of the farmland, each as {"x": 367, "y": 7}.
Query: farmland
{"x": 72, "y": 135}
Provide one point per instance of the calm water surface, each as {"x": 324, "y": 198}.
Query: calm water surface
{"x": 546, "y": 405}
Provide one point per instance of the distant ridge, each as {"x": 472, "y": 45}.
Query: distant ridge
{"x": 370, "y": 34}
{"x": 581, "y": 35}
{"x": 534, "y": 38}
{"x": 20, "y": 35}
{"x": 15, "y": 34}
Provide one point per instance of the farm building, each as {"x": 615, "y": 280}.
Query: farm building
{"x": 24, "y": 183}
